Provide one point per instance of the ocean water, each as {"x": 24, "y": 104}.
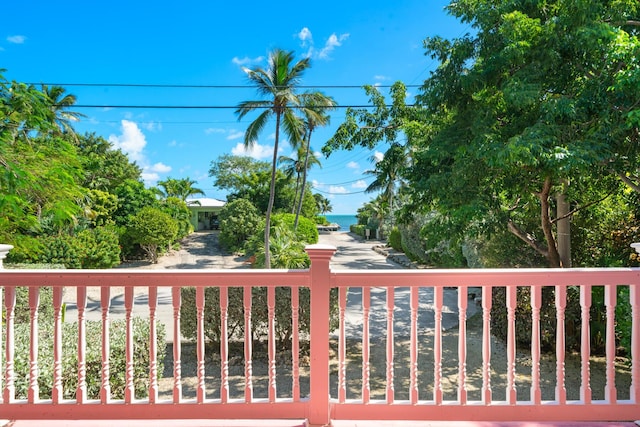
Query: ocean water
{"x": 344, "y": 221}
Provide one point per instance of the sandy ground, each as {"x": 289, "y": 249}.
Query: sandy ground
{"x": 201, "y": 251}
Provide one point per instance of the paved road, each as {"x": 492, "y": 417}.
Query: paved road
{"x": 201, "y": 250}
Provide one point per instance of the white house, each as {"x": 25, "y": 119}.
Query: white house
{"x": 204, "y": 213}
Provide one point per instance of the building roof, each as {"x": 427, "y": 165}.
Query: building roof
{"x": 205, "y": 202}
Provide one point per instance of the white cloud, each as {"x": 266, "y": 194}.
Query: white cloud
{"x": 378, "y": 156}
{"x": 333, "y": 42}
{"x": 17, "y": 39}
{"x": 150, "y": 178}
{"x": 359, "y": 184}
{"x": 235, "y": 134}
{"x": 305, "y": 36}
{"x": 132, "y": 141}
{"x": 152, "y": 126}
{"x": 337, "y": 189}
{"x": 246, "y": 60}
{"x": 380, "y": 77}
{"x": 306, "y": 41}
{"x": 160, "y": 168}
{"x": 257, "y": 151}
{"x": 209, "y": 131}
{"x": 353, "y": 165}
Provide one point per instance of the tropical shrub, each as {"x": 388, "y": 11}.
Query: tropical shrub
{"x": 93, "y": 357}
{"x": 239, "y": 220}
{"x": 306, "y": 232}
{"x": 153, "y": 229}
{"x": 179, "y": 211}
{"x": 90, "y": 248}
{"x": 395, "y": 239}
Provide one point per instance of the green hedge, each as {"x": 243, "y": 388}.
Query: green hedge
{"x": 259, "y": 314}
{"x": 117, "y": 334}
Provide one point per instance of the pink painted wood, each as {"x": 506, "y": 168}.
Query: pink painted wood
{"x": 462, "y": 345}
{"x": 366, "y": 366}
{"x": 320, "y": 408}
{"x": 342, "y": 346}
{"x": 34, "y": 302}
{"x": 295, "y": 344}
{"x": 224, "y": 345}
{"x": 81, "y": 390}
{"x": 536, "y": 304}
{"x": 105, "y": 304}
{"x": 390, "y": 391}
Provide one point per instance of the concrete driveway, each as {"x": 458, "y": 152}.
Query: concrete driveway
{"x": 201, "y": 250}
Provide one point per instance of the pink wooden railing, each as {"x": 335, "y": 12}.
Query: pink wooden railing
{"x": 421, "y": 378}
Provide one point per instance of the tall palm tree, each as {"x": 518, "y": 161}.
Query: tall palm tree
{"x": 388, "y": 174}
{"x": 315, "y": 114}
{"x": 59, "y": 104}
{"x": 296, "y": 166}
{"x": 278, "y": 82}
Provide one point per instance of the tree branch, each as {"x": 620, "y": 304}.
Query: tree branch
{"x": 595, "y": 202}
{"x": 527, "y": 238}
{"x": 628, "y": 181}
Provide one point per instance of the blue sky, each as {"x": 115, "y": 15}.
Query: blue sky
{"x": 351, "y": 43}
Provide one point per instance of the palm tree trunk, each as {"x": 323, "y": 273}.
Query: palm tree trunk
{"x": 272, "y": 196}
{"x": 304, "y": 181}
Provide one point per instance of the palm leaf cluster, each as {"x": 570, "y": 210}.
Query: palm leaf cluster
{"x": 296, "y": 114}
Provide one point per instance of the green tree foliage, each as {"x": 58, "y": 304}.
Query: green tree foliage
{"x": 530, "y": 103}
{"x": 153, "y": 229}
{"x": 132, "y": 197}
{"x": 104, "y": 168}
{"x": 239, "y": 219}
{"x": 246, "y": 178}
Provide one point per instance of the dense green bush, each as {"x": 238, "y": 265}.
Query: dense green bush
{"x": 90, "y": 248}
{"x": 259, "y": 314}
{"x": 153, "y": 230}
{"x": 306, "y": 232}
{"x": 117, "y": 334}
{"x": 239, "y": 220}
{"x": 523, "y": 321}
{"x": 358, "y": 229}
{"x": 395, "y": 239}
{"x": 22, "y": 312}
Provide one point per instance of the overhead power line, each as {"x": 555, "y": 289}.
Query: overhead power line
{"x": 178, "y": 86}
{"x": 208, "y": 107}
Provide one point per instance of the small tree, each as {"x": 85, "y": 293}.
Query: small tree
{"x": 152, "y": 229}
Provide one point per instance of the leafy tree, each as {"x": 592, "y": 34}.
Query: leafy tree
{"x": 525, "y": 110}
{"x": 229, "y": 171}
{"x": 246, "y": 178}
{"x": 153, "y": 229}
{"x": 132, "y": 197}
{"x": 104, "y": 168}
{"x": 278, "y": 82}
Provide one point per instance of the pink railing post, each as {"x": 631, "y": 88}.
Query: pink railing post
{"x": 4, "y": 250}
{"x": 320, "y": 288}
